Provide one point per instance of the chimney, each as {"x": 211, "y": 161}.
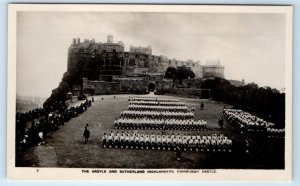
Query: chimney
{"x": 109, "y": 39}
{"x": 74, "y": 41}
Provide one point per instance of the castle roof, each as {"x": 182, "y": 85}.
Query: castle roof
{"x": 213, "y": 62}
{"x": 111, "y": 44}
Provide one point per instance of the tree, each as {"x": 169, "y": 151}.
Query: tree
{"x": 171, "y": 73}
{"x": 184, "y": 72}
{"x": 265, "y": 102}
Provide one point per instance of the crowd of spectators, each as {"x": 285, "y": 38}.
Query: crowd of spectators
{"x": 33, "y": 126}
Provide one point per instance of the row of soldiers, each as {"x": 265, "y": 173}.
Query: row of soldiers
{"x": 149, "y": 98}
{"x": 253, "y": 124}
{"x": 158, "y": 108}
{"x": 275, "y": 133}
{"x": 167, "y": 142}
{"x": 157, "y": 115}
{"x": 159, "y": 124}
{"x": 247, "y": 121}
{"x": 155, "y": 103}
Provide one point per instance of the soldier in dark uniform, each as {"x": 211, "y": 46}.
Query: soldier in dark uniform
{"x": 202, "y": 105}
{"x": 221, "y": 123}
{"x": 86, "y": 135}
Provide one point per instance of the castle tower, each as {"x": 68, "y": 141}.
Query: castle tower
{"x": 213, "y": 68}
{"x": 109, "y": 39}
{"x": 78, "y": 40}
{"x": 74, "y": 41}
{"x": 121, "y": 43}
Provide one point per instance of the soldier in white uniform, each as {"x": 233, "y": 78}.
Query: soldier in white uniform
{"x": 142, "y": 141}
{"x": 132, "y": 140}
{"x": 122, "y": 139}
{"x": 196, "y": 143}
{"x": 164, "y": 141}
{"x": 207, "y": 144}
{"x": 110, "y": 140}
{"x": 202, "y": 143}
{"x": 116, "y": 140}
{"x": 169, "y": 140}
{"x": 158, "y": 142}
{"x": 184, "y": 142}
{"x": 127, "y": 144}
{"x": 213, "y": 143}
{"x": 229, "y": 144}
{"x": 137, "y": 140}
{"x": 191, "y": 144}
{"x": 147, "y": 141}
{"x": 174, "y": 141}
{"x": 219, "y": 143}
{"x": 153, "y": 141}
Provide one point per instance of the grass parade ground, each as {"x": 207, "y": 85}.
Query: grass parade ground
{"x": 66, "y": 148}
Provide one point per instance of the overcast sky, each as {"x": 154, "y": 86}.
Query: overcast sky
{"x": 250, "y": 46}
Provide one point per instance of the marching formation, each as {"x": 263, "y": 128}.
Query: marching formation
{"x": 151, "y": 99}
{"x": 156, "y": 114}
{"x": 251, "y": 123}
{"x": 161, "y": 103}
{"x": 174, "y": 115}
{"x": 158, "y": 108}
{"x": 160, "y": 124}
{"x": 153, "y": 113}
{"x": 134, "y": 140}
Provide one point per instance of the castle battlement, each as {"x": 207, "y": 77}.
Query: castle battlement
{"x": 113, "y": 59}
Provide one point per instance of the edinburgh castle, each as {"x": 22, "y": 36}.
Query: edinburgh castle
{"x": 138, "y": 61}
{"x": 106, "y": 68}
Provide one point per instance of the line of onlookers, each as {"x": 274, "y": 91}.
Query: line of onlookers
{"x": 29, "y": 133}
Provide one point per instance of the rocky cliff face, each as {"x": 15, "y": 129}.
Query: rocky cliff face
{"x": 101, "y": 61}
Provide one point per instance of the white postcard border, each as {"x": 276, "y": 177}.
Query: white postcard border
{"x": 81, "y": 173}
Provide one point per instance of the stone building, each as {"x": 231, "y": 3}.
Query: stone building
{"x": 141, "y": 50}
{"x": 212, "y": 69}
{"x": 76, "y": 90}
{"x": 115, "y": 59}
{"x": 237, "y": 83}
{"x": 111, "y": 69}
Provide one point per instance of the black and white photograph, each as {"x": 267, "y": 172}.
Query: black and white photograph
{"x": 150, "y": 92}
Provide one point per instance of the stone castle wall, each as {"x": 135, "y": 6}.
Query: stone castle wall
{"x": 110, "y": 55}
{"x": 110, "y": 69}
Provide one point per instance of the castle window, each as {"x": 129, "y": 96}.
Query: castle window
{"x": 131, "y": 62}
{"x": 81, "y": 50}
